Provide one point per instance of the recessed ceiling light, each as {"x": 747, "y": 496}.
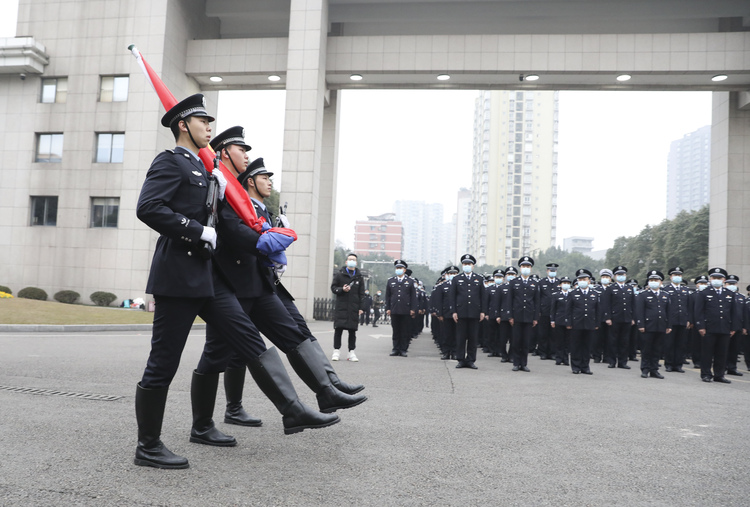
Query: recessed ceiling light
{"x": 274, "y": 77}
{"x": 531, "y": 77}
{"x": 215, "y": 79}
{"x": 443, "y": 77}
{"x": 356, "y": 77}
{"x": 624, "y": 77}
{"x": 719, "y": 77}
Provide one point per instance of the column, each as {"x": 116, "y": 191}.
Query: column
{"x": 303, "y": 142}
{"x": 729, "y": 221}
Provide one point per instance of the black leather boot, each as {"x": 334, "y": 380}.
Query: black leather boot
{"x": 270, "y": 375}
{"x": 335, "y": 380}
{"x": 306, "y": 362}
{"x": 203, "y": 398}
{"x": 234, "y": 383}
{"x": 149, "y": 412}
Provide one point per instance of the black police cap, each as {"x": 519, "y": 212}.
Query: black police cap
{"x": 234, "y": 135}
{"x": 254, "y": 168}
{"x": 195, "y": 105}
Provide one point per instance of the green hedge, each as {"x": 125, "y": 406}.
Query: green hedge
{"x": 67, "y": 296}
{"x": 32, "y": 293}
{"x": 102, "y": 298}
{"x": 5, "y": 289}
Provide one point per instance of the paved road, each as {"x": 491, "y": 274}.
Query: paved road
{"x": 429, "y": 434}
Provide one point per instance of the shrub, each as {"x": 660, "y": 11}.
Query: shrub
{"x": 5, "y": 289}
{"x": 32, "y": 293}
{"x": 102, "y": 298}
{"x": 67, "y": 296}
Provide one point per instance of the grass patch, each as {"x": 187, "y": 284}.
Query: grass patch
{"x": 29, "y": 311}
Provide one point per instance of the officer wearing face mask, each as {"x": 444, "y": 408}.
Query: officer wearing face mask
{"x": 716, "y": 322}
{"x": 732, "y": 285}
{"x": 467, "y": 306}
{"x": 493, "y": 313}
{"x": 559, "y": 321}
{"x": 583, "y": 315}
{"x": 701, "y": 283}
{"x": 523, "y": 304}
{"x": 652, "y": 316}
{"x": 547, "y": 286}
{"x": 675, "y": 343}
{"x": 400, "y": 305}
{"x": 441, "y": 304}
{"x": 618, "y": 304}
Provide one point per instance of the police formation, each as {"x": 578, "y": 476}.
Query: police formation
{"x": 513, "y": 313}
{"x": 207, "y": 264}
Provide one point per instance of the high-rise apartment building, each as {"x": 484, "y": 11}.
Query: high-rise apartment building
{"x": 514, "y": 179}
{"x": 379, "y": 235}
{"x": 463, "y": 227}
{"x": 689, "y": 172}
{"x": 426, "y": 239}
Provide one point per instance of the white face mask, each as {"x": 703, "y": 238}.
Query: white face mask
{"x": 552, "y": 274}
{"x": 676, "y": 279}
{"x": 701, "y": 286}
{"x": 606, "y": 280}
{"x": 351, "y": 264}
{"x": 716, "y": 282}
{"x": 467, "y": 268}
{"x": 583, "y": 284}
{"x": 654, "y": 284}
{"x": 525, "y": 271}
{"x": 732, "y": 287}
{"x": 450, "y": 277}
{"x": 399, "y": 272}
{"x": 498, "y": 281}
{"x": 510, "y": 278}
{"x": 379, "y": 293}
{"x": 620, "y": 278}
{"x": 565, "y": 286}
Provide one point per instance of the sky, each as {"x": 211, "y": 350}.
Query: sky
{"x": 417, "y": 145}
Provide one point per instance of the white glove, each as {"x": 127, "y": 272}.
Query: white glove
{"x": 209, "y": 236}
{"x": 221, "y": 180}
{"x": 280, "y": 268}
{"x": 284, "y": 221}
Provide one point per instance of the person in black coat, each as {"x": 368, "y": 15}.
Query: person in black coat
{"x": 364, "y": 318}
{"x": 676, "y": 342}
{"x": 400, "y": 305}
{"x": 467, "y": 302}
{"x": 652, "y": 318}
{"x": 559, "y": 321}
{"x": 349, "y": 288}
{"x": 441, "y": 306}
{"x": 618, "y": 305}
{"x": 732, "y": 285}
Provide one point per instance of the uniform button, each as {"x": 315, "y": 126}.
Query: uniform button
{"x": 238, "y": 261}
{"x": 190, "y": 254}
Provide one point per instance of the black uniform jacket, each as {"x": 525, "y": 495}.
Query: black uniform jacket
{"x": 679, "y": 306}
{"x": 714, "y": 311}
{"x": 652, "y": 311}
{"x": 583, "y": 310}
{"x": 441, "y": 299}
{"x": 558, "y": 312}
{"x": 497, "y": 302}
{"x": 546, "y": 288}
{"x": 401, "y": 296}
{"x": 618, "y": 303}
{"x": 467, "y": 295}
{"x": 173, "y": 203}
{"x": 523, "y": 300}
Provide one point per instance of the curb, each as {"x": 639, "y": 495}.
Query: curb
{"x": 78, "y": 328}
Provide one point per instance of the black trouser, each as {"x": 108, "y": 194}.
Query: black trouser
{"x": 651, "y": 350}
{"x": 619, "y": 342}
{"x": 561, "y": 336}
{"x": 505, "y": 331}
{"x": 493, "y": 336}
{"x": 448, "y": 335}
{"x": 376, "y": 317}
{"x": 544, "y": 343}
{"x": 522, "y": 336}
{"x": 400, "y": 324}
{"x": 746, "y": 347}
{"x": 467, "y": 337}
{"x": 426, "y": 319}
{"x": 364, "y": 319}
{"x": 337, "y": 338}
{"x": 733, "y": 351}
{"x": 675, "y": 347}
{"x": 580, "y": 348}
{"x": 696, "y": 342}
{"x": 172, "y": 322}
{"x": 271, "y": 317}
{"x": 597, "y": 342}
{"x": 714, "y": 347}
{"x": 634, "y": 335}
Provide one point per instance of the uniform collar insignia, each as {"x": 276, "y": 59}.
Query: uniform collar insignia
{"x": 197, "y": 173}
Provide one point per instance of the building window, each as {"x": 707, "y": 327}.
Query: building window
{"x": 110, "y": 148}
{"x": 44, "y": 210}
{"x": 114, "y": 89}
{"x": 104, "y": 211}
{"x": 49, "y": 148}
{"x": 54, "y": 90}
